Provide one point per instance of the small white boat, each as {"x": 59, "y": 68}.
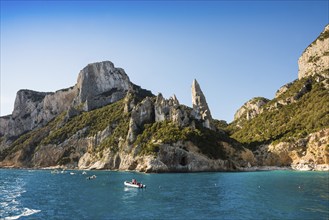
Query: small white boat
{"x": 135, "y": 185}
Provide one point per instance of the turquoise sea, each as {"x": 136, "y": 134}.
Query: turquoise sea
{"x": 39, "y": 194}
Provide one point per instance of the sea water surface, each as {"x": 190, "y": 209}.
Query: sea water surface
{"x": 39, "y": 194}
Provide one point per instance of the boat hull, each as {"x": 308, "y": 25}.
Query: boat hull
{"x": 129, "y": 184}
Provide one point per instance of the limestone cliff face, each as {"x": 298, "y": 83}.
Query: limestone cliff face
{"x": 200, "y": 106}
{"x": 100, "y": 84}
{"x": 180, "y": 156}
{"x": 251, "y": 109}
{"x": 26, "y": 104}
{"x": 34, "y": 109}
{"x": 315, "y": 59}
{"x": 310, "y": 153}
{"x": 273, "y": 129}
{"x": 141, "y": 114}
{"x": 177, "y": 157}
{"x": 184, "y": 157}
{"x": 118, "y": 144}
{"x": 170, "y": 109}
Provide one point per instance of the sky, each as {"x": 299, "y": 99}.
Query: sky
{"x": 236, "y": 50}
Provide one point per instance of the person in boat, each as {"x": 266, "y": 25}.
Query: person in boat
{"x": 133, "y": 181}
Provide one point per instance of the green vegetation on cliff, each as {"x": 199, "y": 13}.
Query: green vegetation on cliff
{"x": 309, "y": 113}
{"x": 94, "y": 121}
{"x": 32, "y": 139}
{"x": 208, "y": 141}
{"x": 60, "y": 128}
{"x": 113, "y": 118}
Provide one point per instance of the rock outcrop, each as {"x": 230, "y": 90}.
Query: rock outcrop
{"x": 315, "y": 58}
{"x": 98, "y": 84}
{"x": 35, "y": 109}
{"x": 251, "y": 109}
{"x": 141, "y": 114}
{"x": 176, "y": 157}
{"x": 283, "y": 89}
{"x": 170, "y": 109}
{"x": 88, "y": 133}
{"x": 310, "y": 153}
{"x": 200, "y": 106}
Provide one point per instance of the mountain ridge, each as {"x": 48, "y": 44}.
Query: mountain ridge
{"x": 105, "y": 121}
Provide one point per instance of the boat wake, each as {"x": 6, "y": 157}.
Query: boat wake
{"x": 26, "y": 212}
{"x": 10, "y": 195}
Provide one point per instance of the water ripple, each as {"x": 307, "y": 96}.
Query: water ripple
{"x": 11, "y": 190}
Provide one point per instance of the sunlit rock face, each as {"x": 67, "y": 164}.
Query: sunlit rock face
{"x": 100, "y": 84}
{"x": 315, "y": 58}
{"x": 309, "y": 153}
{"x": 200, "y": 106}
{"x": 34, "y": 109}
{"x": 250, "y": 109}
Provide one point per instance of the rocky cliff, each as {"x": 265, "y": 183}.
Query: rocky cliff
{"x": 292, "y": 128}
{"x": 98, "y": 84}
{"x": 309, "y": 153}
{"x": 107, "y": 122}
{"x": 35, "y": 109}
{"x": 250, "y": 109}
{"x": 315, "y": 58}
{"x": 200, "y": 105}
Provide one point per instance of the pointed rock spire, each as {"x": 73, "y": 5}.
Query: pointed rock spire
{"x": 200, "y": 106}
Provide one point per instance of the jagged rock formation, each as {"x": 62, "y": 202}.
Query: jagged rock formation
{"x": 35, "y": 109}
{"x": 98, "y": 84}
{"x": 141, "y": 114}
{"x": 107, "y": 122}
{"x": 251, "y": 109}
{"x": 171, "y": 110}
{"x": 137, "y": 131}
{"x": 315, "y": 58}
{"x": 200, "y": 106}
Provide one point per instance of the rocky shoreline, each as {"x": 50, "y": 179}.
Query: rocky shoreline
{"x": 305, "y": 167}
{"x": 298, "y": 168}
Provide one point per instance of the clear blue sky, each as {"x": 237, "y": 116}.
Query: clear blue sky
{"x": 236, "y": 50}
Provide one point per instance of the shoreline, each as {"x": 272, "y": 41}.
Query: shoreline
{"x": 293, "y": 167}
{"x": 319, "y": 168}
{"x": 264, "y": 168}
